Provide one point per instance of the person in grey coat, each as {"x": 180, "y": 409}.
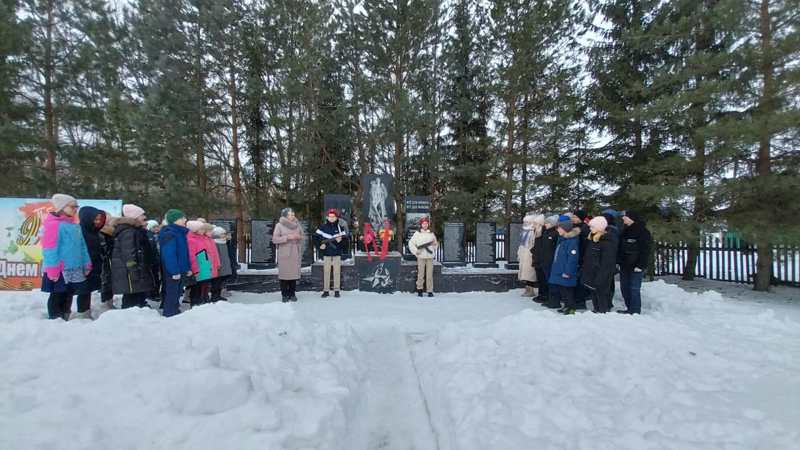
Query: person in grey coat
{"x": 225, "y": 265}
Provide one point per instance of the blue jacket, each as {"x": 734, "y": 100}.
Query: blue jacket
{"x": 174, "y": 249}
{"x": 331, "y": 229}
{"x": 565, "y": 261}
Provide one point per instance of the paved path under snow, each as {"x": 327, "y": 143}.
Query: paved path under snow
{"x": 396, "y": 416}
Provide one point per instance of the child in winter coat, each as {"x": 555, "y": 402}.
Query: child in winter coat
{"x": 204, "y": 259}
{"x": 221, "y": 238}
{"x": 66, "y": 262}
{"x": 174, "y": 259}
{"x": 531, "y": 230}
{"x": 132, "y": 259}
{"x": 423, "y": 245}
{"x": 92, "y": 221}
{"x": 564, "y": 272}
{"x": 153, "y": 229}
{"x": 599, "y": 260}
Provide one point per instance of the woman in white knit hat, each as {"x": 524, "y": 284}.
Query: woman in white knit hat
{"x": 65, "y": 259}
{"x": 531, "y": 229}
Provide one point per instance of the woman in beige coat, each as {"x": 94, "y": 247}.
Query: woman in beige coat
{"x": 531, "y": 229}
{"x": 288, "y": 237}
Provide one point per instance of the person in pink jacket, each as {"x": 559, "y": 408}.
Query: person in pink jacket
{"x": 66, "y": 262}
{"x": 204, "y": 258}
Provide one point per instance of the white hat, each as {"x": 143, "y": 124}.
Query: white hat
{"x": 132, "y": 211}
{"x": 61, "y": 201}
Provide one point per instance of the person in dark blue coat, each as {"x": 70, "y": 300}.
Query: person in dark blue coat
{"x": 635, "y": 248}
{"x": 331, "y": 239}
{"x": 174, "y": 259}
{"x": 564, "y": 272}
{"x": 91, "y": 221}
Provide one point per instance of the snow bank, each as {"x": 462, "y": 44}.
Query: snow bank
{"x": 695, "y": 372}
{"x": 219, "y": 376}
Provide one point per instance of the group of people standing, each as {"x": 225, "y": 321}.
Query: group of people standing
{"x": 570, "y": 258}
{"x": 565, "y": 259}
{"x": 132, "y": 257}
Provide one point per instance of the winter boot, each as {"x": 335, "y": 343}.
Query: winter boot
{"x": 293, "y": 298}
{"x": 528, "y": 292}
{"x": 567, "y": 311}
{"x": 325, "y": 294}
{"x": 419, "y": 293}
{"x": 430, "y": 294}
{"x": 336, "y": 294}
{"x": 285, "y": 299}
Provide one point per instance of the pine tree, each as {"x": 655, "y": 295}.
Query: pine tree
{"x": 624, "y": 66}
{"x": 761, "y": 195}
{"x": 470, "y": 156}
{"x": 537, "y": 87}
{"x": 399, "y": 36}
{"x": 17, "y": 141}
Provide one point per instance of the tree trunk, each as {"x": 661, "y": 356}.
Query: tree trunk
{"x": 237, "y": 169}
{"x": 764, "y": 164}
{"x": 525, "y": 151}
{"x": 202, "y": 180}
{"x": 697, "y": 116}
{"x": 51, "y": 136}
{"x": 511, "y": 116}
{"x": 399, "y": 156}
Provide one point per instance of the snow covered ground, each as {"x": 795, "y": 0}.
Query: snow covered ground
{"x": 699, "y": 370}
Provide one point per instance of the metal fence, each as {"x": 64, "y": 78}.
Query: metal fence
{"x": 724, "y": 260}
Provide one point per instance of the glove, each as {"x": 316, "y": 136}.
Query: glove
{"x": 176, "y": 277}
{"x": 636, "y": 269}
{"x": 322, "y": 247}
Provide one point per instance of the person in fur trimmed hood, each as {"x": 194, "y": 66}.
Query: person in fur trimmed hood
{"x": 564, "y": 273}
{"x": 132, "y": 259}
{"x": 204, "y": 259}
{"x": 288, "y": 238}
{"x": 531, "y": 230}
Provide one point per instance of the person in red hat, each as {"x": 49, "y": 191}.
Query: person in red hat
{"x": 332, "y": 241}
{"x": 423, "y": 245}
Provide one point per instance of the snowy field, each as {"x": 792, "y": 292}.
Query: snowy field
{"x": 701, "y": 369}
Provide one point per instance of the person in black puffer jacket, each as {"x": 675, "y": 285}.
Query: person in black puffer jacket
{"x": 106, "y": 252}
{"x": 635, "y": 247}
{"x": 613, "y": 232}
{"x": 132, "y": 258}
{"x": 544, "y": 250}
{"x": 91, "y": 221}
{"x": 599, "y": 262}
